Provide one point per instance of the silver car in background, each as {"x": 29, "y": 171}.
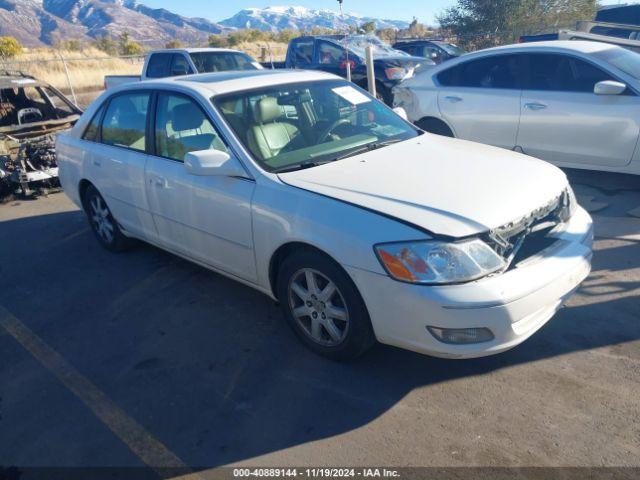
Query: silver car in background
{"x": 573, "y": 103}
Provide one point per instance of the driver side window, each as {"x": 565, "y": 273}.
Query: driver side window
{"x": 329, "y": 54}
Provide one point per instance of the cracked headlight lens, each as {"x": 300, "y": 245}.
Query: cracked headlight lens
{"x": 437, "y": 262}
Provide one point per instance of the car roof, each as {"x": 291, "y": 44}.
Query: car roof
{"x": 10, "y": 81}
{"x": 194, "y": 50}
{"x": 220, "y": 83}
{"x": 582, "y": 46}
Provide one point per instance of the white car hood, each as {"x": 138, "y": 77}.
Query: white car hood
{"x": 446, "y": 186}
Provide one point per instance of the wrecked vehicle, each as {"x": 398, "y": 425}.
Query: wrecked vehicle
{"x": 307, "y": 188}
{"x": 32, "y": 112}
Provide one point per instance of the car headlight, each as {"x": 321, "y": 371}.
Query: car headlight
{"x": 398, "y": 73}
{"x": 569, "y": 204}
{"x": 438, "y": 262}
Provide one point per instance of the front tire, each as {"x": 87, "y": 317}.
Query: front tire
{"x": 323, "y": 306}
{"x": 104, "y": 226}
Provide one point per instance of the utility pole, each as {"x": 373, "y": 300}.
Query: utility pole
{"x": 346, "y": 43}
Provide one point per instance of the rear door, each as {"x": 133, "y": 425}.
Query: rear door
{"x": 480, "y": 99}
{"x": 564, "y": 122}
{"x": 115, "y": 162}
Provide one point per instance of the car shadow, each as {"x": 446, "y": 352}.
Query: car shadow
{"x": 209, "y": 366}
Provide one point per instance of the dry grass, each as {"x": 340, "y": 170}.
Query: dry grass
{"x": 88, "y": 68}
{"x": 278, "y": 50}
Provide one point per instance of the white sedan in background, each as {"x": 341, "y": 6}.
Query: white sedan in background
{"x": 573, "y": 103}
{"x": 306, "y": 188}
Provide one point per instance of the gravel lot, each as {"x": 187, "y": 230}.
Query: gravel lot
{"x": 142, "y": 357}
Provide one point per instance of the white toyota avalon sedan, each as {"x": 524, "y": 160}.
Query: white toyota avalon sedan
{"x": 573, "y": 103}
{"x": 306, "y": 188}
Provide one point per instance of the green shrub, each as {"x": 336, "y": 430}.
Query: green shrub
{"x": 9, "y": 47}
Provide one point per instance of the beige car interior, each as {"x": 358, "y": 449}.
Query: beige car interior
{"x": 270, "y": 134}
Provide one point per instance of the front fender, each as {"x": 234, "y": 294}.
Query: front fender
{"x": 283, "y": 214}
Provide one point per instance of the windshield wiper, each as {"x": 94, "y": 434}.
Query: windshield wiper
{"x": 367, "y": 148}
{"x": 300, "y": 166}
{"x": 356, "y": 151}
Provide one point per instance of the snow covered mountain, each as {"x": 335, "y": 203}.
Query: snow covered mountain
{"x": 44, "y": 22}
{"x": 301, "y": 18}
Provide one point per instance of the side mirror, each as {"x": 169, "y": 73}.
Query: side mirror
{"x": 213, "y": 163}
{"x": 609, "y": 87}
{"x": 401, "y": 112}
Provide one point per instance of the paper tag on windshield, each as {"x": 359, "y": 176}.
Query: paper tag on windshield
{"x": 351, "y": 95}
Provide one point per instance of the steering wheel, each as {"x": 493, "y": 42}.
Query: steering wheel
{"x": 325, "y": 134}
{"x": 29, "y": 115}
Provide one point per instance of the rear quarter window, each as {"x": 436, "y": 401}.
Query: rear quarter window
{"x": 92, "y": 132}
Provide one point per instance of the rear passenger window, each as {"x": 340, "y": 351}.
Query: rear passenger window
{"x": 125, "y": 121}
{"x": 93, "y": 129}
{"x": 500, "y": 71}
{"x": 158, "y": 65}
{"x": 182, "y": 127}
{"x": 563, "y": 73}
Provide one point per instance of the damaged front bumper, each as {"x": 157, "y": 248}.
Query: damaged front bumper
{"x": 511, "y": 305}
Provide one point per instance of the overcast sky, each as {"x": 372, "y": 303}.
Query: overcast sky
{"x": 424, "y": 10}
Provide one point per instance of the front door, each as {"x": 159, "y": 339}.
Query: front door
{"x": 564, "y": 122}
{"x": 207, "y": 218}
{"x": 480, "y": 99}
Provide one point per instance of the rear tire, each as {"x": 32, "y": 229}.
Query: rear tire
{"x": 435, "y": 126}
{"x": 323, "y": 306}
{"x": 104, "y": 226}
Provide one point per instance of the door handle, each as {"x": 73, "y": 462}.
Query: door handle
{"x": 97, "y": 163}
{"x": 452, "y": 99}
{"x": 158, "y": 181}
{"x": 535, "y": 106}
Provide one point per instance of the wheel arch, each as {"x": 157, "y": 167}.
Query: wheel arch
{"x": 284, "y": 251}
{"x": 83, "y": 185}
{"x": 432, "y": 124}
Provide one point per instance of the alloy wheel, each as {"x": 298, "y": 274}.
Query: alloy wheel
{"x": 101, "y": 219}
{"x": 318, "y": 307}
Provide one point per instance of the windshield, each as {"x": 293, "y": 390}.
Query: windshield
{"x": 358, "y": 43}
{"x": 298, "y": 125}
{"x": 20, "y": 106}
{"x": 622, "y": 59}
{"x": 207, "y": 62}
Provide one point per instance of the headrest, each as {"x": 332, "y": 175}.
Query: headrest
{"x": 186, "y": 116}
{"x": 267, "y": 110}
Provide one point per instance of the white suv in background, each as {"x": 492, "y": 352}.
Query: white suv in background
{"x": 573, "y": 103}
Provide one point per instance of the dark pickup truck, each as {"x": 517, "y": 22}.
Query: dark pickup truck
{"x": 330, "y": 53}
{"x": 437, "y": 50}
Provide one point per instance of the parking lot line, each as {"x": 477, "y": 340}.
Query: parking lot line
{"x": 149, "y": 449}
